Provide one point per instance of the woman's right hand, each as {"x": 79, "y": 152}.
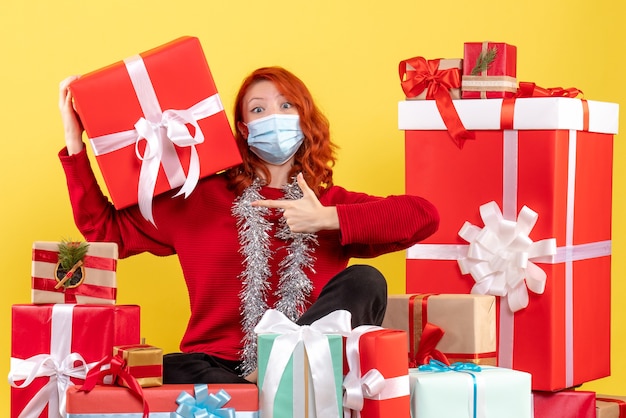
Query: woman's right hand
{"x": 71, "y": 122}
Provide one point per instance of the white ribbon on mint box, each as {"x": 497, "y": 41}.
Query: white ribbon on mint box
{"x": 371, "y": 385}
{"x": 318, "y": 352}
{"x": 59, "y": 365}
{"x": 566, "y": 254}
{"x": 161, "y": 130}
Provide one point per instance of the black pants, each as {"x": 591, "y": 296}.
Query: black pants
{"x": 359, "y": 289}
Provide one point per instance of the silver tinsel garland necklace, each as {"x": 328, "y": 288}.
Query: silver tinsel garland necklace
{"x": 294, "y": 286}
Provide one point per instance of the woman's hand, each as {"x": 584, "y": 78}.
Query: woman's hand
{"x": 307, "y": 214}
{"x": 71, "y": 122}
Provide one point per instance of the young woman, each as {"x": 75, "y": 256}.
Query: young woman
{"x": 273, "y": 232}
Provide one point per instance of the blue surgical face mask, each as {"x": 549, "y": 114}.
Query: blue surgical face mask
{"x": 275, "y": 138}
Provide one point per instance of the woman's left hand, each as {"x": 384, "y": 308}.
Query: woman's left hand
{"x": 307, "y": 214}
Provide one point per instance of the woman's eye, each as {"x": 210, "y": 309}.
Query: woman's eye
{"x": 286, "y": 105}
{"x": 257, "y": 109}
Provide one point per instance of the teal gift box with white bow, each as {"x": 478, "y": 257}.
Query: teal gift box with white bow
{"x": 301, "y": 367}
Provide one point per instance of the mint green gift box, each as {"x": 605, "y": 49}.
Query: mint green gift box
{"x": 295, "y": 396}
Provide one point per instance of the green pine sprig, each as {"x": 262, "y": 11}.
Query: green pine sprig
{"x": 71, "y": 252}
{"x": 484, "y": 60}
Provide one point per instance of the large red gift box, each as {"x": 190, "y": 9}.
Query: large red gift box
{"x": 564, "y": 404}
{"x": 498, "y": 79}
{"x": 114, "y": 401}
{"x": 96, "y": 284}
{"x": 554, "y": 158}
{"x": 165, "y": 97}
{"x": 52, "y": 343}
{"x": 377, "y": 382}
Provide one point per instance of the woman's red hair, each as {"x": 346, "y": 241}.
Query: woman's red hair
{"x": 315, "y": 157}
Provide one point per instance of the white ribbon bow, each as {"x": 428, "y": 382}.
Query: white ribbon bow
{"x": 318, "y": 351}
{"x": 45, "y": 365}
{"x": 499, "y": 256}
{"x": 371, "y": 385}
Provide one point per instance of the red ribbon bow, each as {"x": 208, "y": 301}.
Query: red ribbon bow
{"x": 118, "y": 370}
{"x": 431, "y": 335}
{"x": 425, "y": 75}
{"x": 529, "y": 89}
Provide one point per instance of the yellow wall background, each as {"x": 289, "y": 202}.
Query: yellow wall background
{"x": 346, "y": 51}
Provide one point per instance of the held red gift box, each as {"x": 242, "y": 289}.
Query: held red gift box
{"x": 114, "y": 401}
{"x": 452, "y": 327}
{"x": 610, "y": 406}
{"x": 498, "y": 79}
{"x": 97, "y": 282}
{"x": 564, "y": 404}
{"x": 377, "y": 382}
{"x": 556, "y": 159}
{"x": 128, "y": 104}
{"x": 61, "y": 339}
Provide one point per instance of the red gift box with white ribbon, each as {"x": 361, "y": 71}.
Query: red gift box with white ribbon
{"x": 54, "y": 345}
{"x": 377, "y": 381}
{"x": 525, "y": 204}
{"x": 155, "y": 122}
{"x": 97, "y": 282}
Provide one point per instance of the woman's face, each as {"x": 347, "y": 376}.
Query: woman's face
{"x": 263, "y": 99}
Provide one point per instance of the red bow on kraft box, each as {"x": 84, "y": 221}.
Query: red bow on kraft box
{"x": 426, "y": 76}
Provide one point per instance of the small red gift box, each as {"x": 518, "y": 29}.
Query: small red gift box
{"x": 112, "y": 401}
{"x": 52, "y": 343}
{"x": 489, "y": 70}
{"x": 95, "y": 281}
{"x": 610, "y": 406}
{"x": 556, "y": 159}
{"x": 155, "y": 122}
{"x": 377, "y": 382}
{"x": 564, "y": 404}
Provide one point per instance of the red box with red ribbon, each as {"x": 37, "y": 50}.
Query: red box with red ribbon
{"x": 377, "y": 382}
{"x": 528, "y": 206}
{"x": 489, "y": 70}
{"x": 94, "y": 281}
{"x": 162, "y": 401}
{"x": 610, "y": 406}
{"x": 448, "y": 327}
{"x": 53, "y": 344}
{"x": 155, "y": 122}
{"x": 565, "y": 404}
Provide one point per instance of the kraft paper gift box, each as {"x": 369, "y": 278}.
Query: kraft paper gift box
{"x": 468, "y": 323}
{"x": 165, "y": 97}
{"x": 113, "y": 401}
{"x": 564, "y": 404}
{"x": 547, "y": 165}
{"x": 420, "y": 77}
{"x": 301, "y": 369}
{"x": 144, "y": 362}
{"x": 497, "y": 79}
{"x": 61, "y": 340}
{"x": 610, "y": 406}
{"x": 377, "y": 382}
{"x": 492, "y": 392}
{"x": 93, "y": 282}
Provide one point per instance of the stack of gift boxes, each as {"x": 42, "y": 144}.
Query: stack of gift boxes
{"x": 522, "y": 178}
{"x": 506, "y": 306}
